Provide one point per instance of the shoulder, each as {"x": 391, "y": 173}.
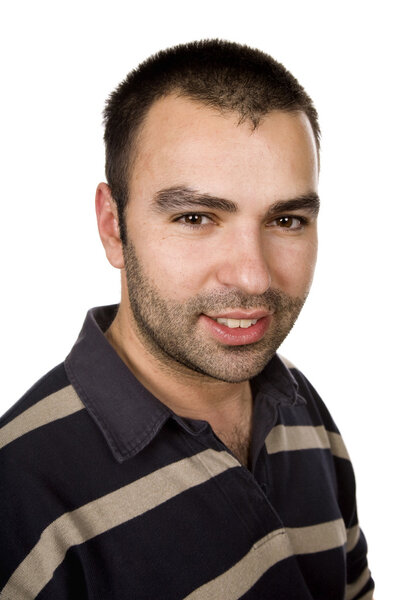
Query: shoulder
{"x": 310, "y": 416}
{"x": 48, "y": 400}
{"x": 286, "y": 362}
{"x": 37, "y": 432}
{"x": 315, "y": 405}
{"x": 55, "y": 380}
{"x": 37, "y": 435}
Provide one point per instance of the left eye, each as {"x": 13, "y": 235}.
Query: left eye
{"x": 289, "y": 222}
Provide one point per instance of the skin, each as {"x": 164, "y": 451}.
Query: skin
{"x": 217, "y": 261}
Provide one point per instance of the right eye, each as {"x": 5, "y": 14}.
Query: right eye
{"x": 195, "y": 220}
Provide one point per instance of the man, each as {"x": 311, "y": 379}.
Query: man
{"x": 174, "y": 454}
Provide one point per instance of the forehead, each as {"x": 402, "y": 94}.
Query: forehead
{"x": 183, "y": 142}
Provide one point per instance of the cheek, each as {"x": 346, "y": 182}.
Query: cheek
{"x": 179, "y": 268}
{"x": 293, "y": 265}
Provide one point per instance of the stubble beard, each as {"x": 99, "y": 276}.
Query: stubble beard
{"x": 170, "y": 330}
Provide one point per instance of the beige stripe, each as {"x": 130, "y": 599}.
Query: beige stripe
{"x": 271, "y": 549}
{"x": 353, "y": 589}
{"x": 367, "y": 596}
{"x": 337, "y": 445}
{"x": 107, "y": 512}
{"x": 317, "y": 538}
{"x": 285, "y": 438}
{"x": 353, "y": 537}
{"x": 61, "y": 404}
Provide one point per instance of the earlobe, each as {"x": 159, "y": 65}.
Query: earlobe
{"x": 108, "y": 225}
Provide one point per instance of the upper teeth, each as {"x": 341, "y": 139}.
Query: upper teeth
{"x": 232, "y": 323}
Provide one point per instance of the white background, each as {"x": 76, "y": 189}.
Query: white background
{"x": 58, "y": 64}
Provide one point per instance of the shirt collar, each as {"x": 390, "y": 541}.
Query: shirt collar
{"x": 127, "y": 414}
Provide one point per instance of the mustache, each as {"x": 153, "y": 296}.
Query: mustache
{"x": 272, "y": 300}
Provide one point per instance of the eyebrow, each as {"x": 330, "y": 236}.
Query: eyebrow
{"x": 178, "y": 198}
{"x": 184, "y": 198}
{"x": 309, "y": 202}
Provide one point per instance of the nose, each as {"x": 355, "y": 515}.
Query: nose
{"x": 243, "y": 264}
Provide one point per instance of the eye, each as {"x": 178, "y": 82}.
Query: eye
{"x": 195, "y": 220}
{"x": 290, "y": 222}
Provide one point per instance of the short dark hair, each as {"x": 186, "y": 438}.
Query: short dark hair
{"x": 223, "y": 75}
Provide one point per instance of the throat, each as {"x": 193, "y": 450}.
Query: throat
{"x": 238, "y": 442}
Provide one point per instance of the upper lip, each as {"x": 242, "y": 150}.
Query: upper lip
{"x": 240, "y": 314}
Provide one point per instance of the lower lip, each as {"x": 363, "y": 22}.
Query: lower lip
{"x": 237, "y": 336}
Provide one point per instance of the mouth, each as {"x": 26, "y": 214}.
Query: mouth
{"x": 237, "y": 328}
{"x": 233, "y": 323}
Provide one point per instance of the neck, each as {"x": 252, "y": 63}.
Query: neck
{"x": 226, "y": 406}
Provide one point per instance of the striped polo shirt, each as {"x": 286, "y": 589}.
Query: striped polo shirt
{"x": 106, "y": 494}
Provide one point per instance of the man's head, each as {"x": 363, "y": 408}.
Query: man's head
{"x": 222, "y": 75}
{"x": 221, "y": 224}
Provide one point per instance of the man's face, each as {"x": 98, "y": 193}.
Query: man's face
{"x": 222, "y": 241}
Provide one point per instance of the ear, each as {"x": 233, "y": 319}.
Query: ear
{"x": 108, "y": 224}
